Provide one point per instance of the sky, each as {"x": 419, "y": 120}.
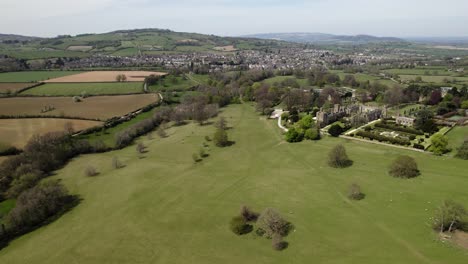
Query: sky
{"x": 396, "y": 18}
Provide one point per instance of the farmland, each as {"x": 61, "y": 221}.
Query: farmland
{"x": 74, "y": 89}
{"x": 164, "y": 208}
{"x": 17, "y": 132}
{"x": 33, "y": 76}
{"x": 103, "y": 76}
{"x": 13, "y": 87}
{"x": 98, "y": 107}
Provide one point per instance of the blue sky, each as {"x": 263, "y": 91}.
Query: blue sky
{"x": 400, "y": 18}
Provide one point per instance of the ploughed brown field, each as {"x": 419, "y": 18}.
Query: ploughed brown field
{"x": 13, "y": 87}
{"x": 97, "y": 107}
{"x": 17, "y": 132}
{"x": 104, "y": 76}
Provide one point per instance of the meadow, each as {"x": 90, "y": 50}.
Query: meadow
{"x": 433, "y": 79}
{"x": 33, "y": 76}
{"x": 17, "y": 132}
{"x": 78, "y": 89}
{"x": 456, "y": 137}
{"x": 96, "y": 107}
{"x": 163, "y": 208}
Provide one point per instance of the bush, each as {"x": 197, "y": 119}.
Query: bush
{"x": 271, "y": 222}
{"x": 141, "y": 148}
{"x": 404, "y": 167}
{"x": 196, "y": 158}
{"x": 418, "y": 146}
{"x": 399, "y": 128}
{"x": 463, "y": 151}
{"x": 90, "y": 171}
{"x": 355, "y": 193}
{"x": 294, "y": 135}
{"x": 381, "y": 138}
{"x": 277, "y": 243}
{"x": 312, "y": 134}
{"x": 335, "y": 130}
{"x": 239, "y": 226}
{"x": 248, "y": 215}
{"x": 337, "y": 158}
{"x": 116, "y": 164}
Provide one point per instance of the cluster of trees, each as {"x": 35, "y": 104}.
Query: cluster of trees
{"x": 269, "y": 223}
{"x": 305, "y": 128}
{"x": 450, "y": 216}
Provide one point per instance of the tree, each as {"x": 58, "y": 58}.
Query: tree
{"x": 271, "y": 222}
{"x": 450, "y": 216}
{"x": 121, "y": 78}
{"x": 220, "y": 138}
{"x": 221, "y": 123}
{"x": 140, "y": 148}
{"x": 312, "y": 134}
{"x": 439, "y": 144}
{"x": 90, "y": 171}
{"x": 306, "y": 122}
{"x": 116, "y": 163}
{"x": 463, "y": 151}
{"x": 335, "y": 130}
{"x": 248, "y": 214}
{"x": 294, "y": 135}
{"x": 404, "y": 167}
{"x": 337, "y": 158}
{"x": 424, "y": 121}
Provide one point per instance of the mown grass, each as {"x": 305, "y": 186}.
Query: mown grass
{"x": 456, "y": 137}
{"x": 173, "y": 84}
{"x": 279, "y": 79}
{"x": 77, "y": 89}
{"x": 33, "y": 76}
{"x": 163, "y": 208}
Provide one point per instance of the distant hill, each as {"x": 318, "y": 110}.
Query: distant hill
{"x": 12, "y": 37}
{"x": 132, "y": 43}
{"x": 321, "y": 38}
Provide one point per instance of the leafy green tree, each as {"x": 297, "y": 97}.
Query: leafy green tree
{"x": 450, "y": 216}
{"x": 294, "y": 135}
{"x": 312, "y": 134}
{"x": 424, "y": 121}
{"x": 439, "y": 144}
{"x": 335, "y": 130}
{"x": 306, "y": 122}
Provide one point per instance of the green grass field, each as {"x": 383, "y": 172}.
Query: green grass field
{"x": 72, "y": 89}
{"x": 433, "y": 79}
{"x": 5, "y": 207}
{"x": 279, "y": 79}
{"x": 163, "y": 208}
{"x": 180, "y": 84}
{"x": 33, "y": 76}
{"x": 456, "y": 137}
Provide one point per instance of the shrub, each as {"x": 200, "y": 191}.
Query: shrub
{"x": 22, "y": 183}
{"x": 116, "y": 164}
{"x": 220, "y": 138}
{"x": 399, "y": 128}
{"x": 335, "y": 130}
{"x": 463, "y": 151}
{"x": 354, "y": 192}
{"x": 337, "y": 158}
{"x": 248, "y": 215}
{"x": 195, "y": 158}
{"x": 140, "y": 148}
{"x": 202, "y": 153}
{"x": 381, "y": 138}
{"x": 418, "y": 146}
{"x": 239, "y": 226}
{"x": 312, "y": 134}
{"x": 273, "y": 223}
{"x": 404, "y": 167}
{"x": 277, "y": 243}
{"x": 90, "y": 171}
{"x": 294, "y": 135}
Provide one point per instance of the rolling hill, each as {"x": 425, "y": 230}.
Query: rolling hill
{"x": 321, "y": 38}
{"x": 130, "y": 43}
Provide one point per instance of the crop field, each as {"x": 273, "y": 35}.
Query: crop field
{"x": 13, "y": 87}
{"x": 97, "y": 107}
{"x": 17, "y": 132}
{"x": 104, "y": 76}
{"x": 33, "y": 76}
{"x": 72, "y": 89}
{"x": 163, "y": 208}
